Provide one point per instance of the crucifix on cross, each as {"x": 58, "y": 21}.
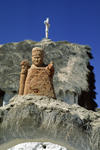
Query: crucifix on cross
{"x": 46, "y": 22}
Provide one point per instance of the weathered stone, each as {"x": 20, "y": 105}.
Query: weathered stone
{"x": 98, "y": 110}
{"x": 31, "y": 118}
{"x": 73, "y": 73}
{"x": 38, "y": 79}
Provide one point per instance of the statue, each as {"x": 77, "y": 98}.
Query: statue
{"x": 46, "y": 22}
{"x": 38, "y": 79}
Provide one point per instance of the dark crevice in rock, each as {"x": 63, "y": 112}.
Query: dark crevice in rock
{"x": 44, "y": 146}
{"x": 2, "y": 93}
{"x": 0, "y": 120}
{"x": 14, "y": 92}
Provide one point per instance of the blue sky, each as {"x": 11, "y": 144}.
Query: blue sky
{"x": 77, "y": 21}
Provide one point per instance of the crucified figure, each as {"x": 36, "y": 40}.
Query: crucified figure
{"x": 46, "y": 22}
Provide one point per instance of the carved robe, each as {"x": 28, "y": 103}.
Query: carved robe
{"x": 39, "y": 82}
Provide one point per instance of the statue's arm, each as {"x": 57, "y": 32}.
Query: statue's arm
{"x": 23, "y": 75}
{"x": 22, "y": 84}
{"x": 50, "y": 69}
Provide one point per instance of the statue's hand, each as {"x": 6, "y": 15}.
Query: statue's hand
{"x": 51, "y": 65}
{"x": 50, "y": 69}
{"x": 23, "y": 70}
{"x": 24, "y": 66}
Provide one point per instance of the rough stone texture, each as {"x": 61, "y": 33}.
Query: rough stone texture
{"x": 73, "y": 73}
{"x": 39, "y": 82}
{"x": 37, "y": 146}
{"x": 30, "y": 118}
{"x": 98, "y": 110}
{"x": 38, "y": 79}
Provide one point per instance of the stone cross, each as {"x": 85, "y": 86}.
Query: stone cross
{"x": 46, "y": 22}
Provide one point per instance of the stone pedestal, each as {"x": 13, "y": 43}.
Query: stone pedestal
{"x": 46, "y": 40}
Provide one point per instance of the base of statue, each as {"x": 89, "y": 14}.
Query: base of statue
{"x": 46, "y": 40}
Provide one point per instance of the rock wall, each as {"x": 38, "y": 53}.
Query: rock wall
{"x": 73, "y": 78}
{"x": 33, "y": 118}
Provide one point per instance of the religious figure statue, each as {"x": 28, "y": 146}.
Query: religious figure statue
{"x": 46, "y": 22}
{"x": 38, "y": 79}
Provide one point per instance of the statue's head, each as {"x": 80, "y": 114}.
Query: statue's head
{"x": 37, "y": 56}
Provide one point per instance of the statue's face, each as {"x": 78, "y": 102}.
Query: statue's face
{"x": 37, "y": 58}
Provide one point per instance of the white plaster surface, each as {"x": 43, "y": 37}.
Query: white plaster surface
{"x": 37, "y": 146}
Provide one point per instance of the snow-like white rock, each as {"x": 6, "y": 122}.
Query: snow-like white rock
{"x": 37, "y": 146}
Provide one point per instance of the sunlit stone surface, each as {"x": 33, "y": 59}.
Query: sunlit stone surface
{"x": 37, "y": 146}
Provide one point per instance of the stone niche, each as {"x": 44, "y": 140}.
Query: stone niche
{"x": 73, "y": 79}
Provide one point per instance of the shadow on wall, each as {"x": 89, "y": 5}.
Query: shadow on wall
{"x": 2, "y": 93}
{"x": 5, "y": 96}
